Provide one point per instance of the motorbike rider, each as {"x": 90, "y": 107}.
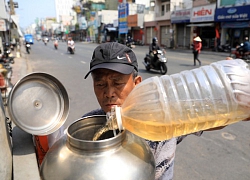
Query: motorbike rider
{"x": 243, "y": 47}
{"x": 129, "y": 42}
{"x": 70, "y": 43}
{"x": 56, "y": 42}
{"x": 28, "y": 47}
{"x": 153, "y": 47}
{"x": 246, "y": 46}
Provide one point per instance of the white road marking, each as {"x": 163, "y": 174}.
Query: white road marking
{"x": 83, "y": 62}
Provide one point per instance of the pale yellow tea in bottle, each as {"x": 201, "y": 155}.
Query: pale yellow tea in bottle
{"x": 163, "y": 107}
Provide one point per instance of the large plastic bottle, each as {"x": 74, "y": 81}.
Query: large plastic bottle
{"x": 160, "y": 108}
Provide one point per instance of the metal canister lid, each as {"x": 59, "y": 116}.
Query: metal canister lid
{"x": 38, "y": 104}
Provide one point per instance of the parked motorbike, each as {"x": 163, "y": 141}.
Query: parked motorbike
{"x": 71, "y": 49}
{"x": 7, "y": 51}
{"x": 236, "y": 53}
{"x": 224, "y": 48}
{"x": 12, "y": 47}
{"x": 156, "y": 62}
{"x": 5, "y": 76}
{"x": 28, "y": 48}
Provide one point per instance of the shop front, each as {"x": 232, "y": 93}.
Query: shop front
{"x": 150, "y": 30}
{"x": 202, "y": 24}
{"x": 179, "y": 20}
{"x": 135, "y": 24}
{"x": 165, "y": 33}
{"x": 234, "y": 22}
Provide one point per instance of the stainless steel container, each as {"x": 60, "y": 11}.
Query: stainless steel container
{"x": 76, "y": 156}
{"x": 5, "y": 145}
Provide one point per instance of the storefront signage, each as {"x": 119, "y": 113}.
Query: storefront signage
{"x": 2, "y": 25}
{"x": 181, "y": 16}
{"x": 132, "y": 20}
{"x": 122, "y": 17}
{"x": 241, "y": 13}
{"x": 231, "y": 3}
{"x": 203, "y": 13}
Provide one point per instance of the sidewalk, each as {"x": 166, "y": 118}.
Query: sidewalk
{"x": 21, "y": 66}
{"x": 24, "y": 157}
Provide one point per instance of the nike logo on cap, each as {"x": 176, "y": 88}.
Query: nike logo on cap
{"x": 118, "y": 57}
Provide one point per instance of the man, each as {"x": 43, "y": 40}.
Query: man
{"x": 71, "y": 44}
{"x": 246, "y": 45}
{"x": 153, "y": 47}
{"x": 114, "y": 71}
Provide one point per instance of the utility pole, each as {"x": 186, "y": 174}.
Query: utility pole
{"x": 12, "y": 8}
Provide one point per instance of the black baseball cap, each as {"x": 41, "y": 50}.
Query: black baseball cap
{"x": 113, "y": 56}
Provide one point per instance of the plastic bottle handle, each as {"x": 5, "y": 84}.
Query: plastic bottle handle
{"x": 118, "y": 117}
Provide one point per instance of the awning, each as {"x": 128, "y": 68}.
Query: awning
{"x": 15, "y": 20}
{"x": 111, "y": 29}
{"x": 200, "y": 25}
{"x": 243, "y": 24}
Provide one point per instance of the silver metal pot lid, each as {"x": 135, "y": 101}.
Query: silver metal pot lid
{"x": 38, "y": 104}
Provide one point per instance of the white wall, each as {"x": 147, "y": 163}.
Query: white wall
{"x": 108, "y": 16}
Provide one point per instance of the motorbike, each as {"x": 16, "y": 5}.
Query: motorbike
{"x": 156, "y": 62}
{"x": 5, "y": 76}
{"x": 130, "y": 44}
{"x": 12, "y": 47}
{"x": 7, "y": 52}
{"x": 28, "y": 48}
{"x": 71, "y": 49}
{"x": 224, "y": 48}
{"x": 236, "y": 53}
{"x": 45, "y": 42}
{"x": 55, "y": 44}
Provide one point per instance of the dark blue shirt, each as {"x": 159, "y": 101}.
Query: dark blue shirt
{"x": 246, "y": 46}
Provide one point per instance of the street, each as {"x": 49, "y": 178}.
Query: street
{"x": 222, "y": 154}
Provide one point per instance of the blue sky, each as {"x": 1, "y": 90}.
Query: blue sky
{"x": 29, "y": 10}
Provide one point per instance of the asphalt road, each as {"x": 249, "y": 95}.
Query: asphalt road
{"x": 222, "y": 155}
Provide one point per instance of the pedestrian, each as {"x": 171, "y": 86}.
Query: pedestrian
{"x": 114, "y": 71}
{"x": 197, "y": 49}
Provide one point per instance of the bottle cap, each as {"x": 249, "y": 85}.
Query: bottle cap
{"x": 118, "y": 117}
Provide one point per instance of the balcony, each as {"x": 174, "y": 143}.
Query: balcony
{"x": 162, "y": 16}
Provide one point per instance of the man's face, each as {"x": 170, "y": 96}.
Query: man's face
{"x": 112, "y": 88}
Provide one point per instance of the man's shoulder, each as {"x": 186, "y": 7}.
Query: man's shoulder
{"x": 95, "y": 112}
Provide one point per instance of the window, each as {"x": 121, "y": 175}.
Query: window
{"x": 162, "y": 10}
{"x": 167, "y": 7}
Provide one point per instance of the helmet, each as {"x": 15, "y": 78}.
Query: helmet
{"x": 154, "y": 40}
